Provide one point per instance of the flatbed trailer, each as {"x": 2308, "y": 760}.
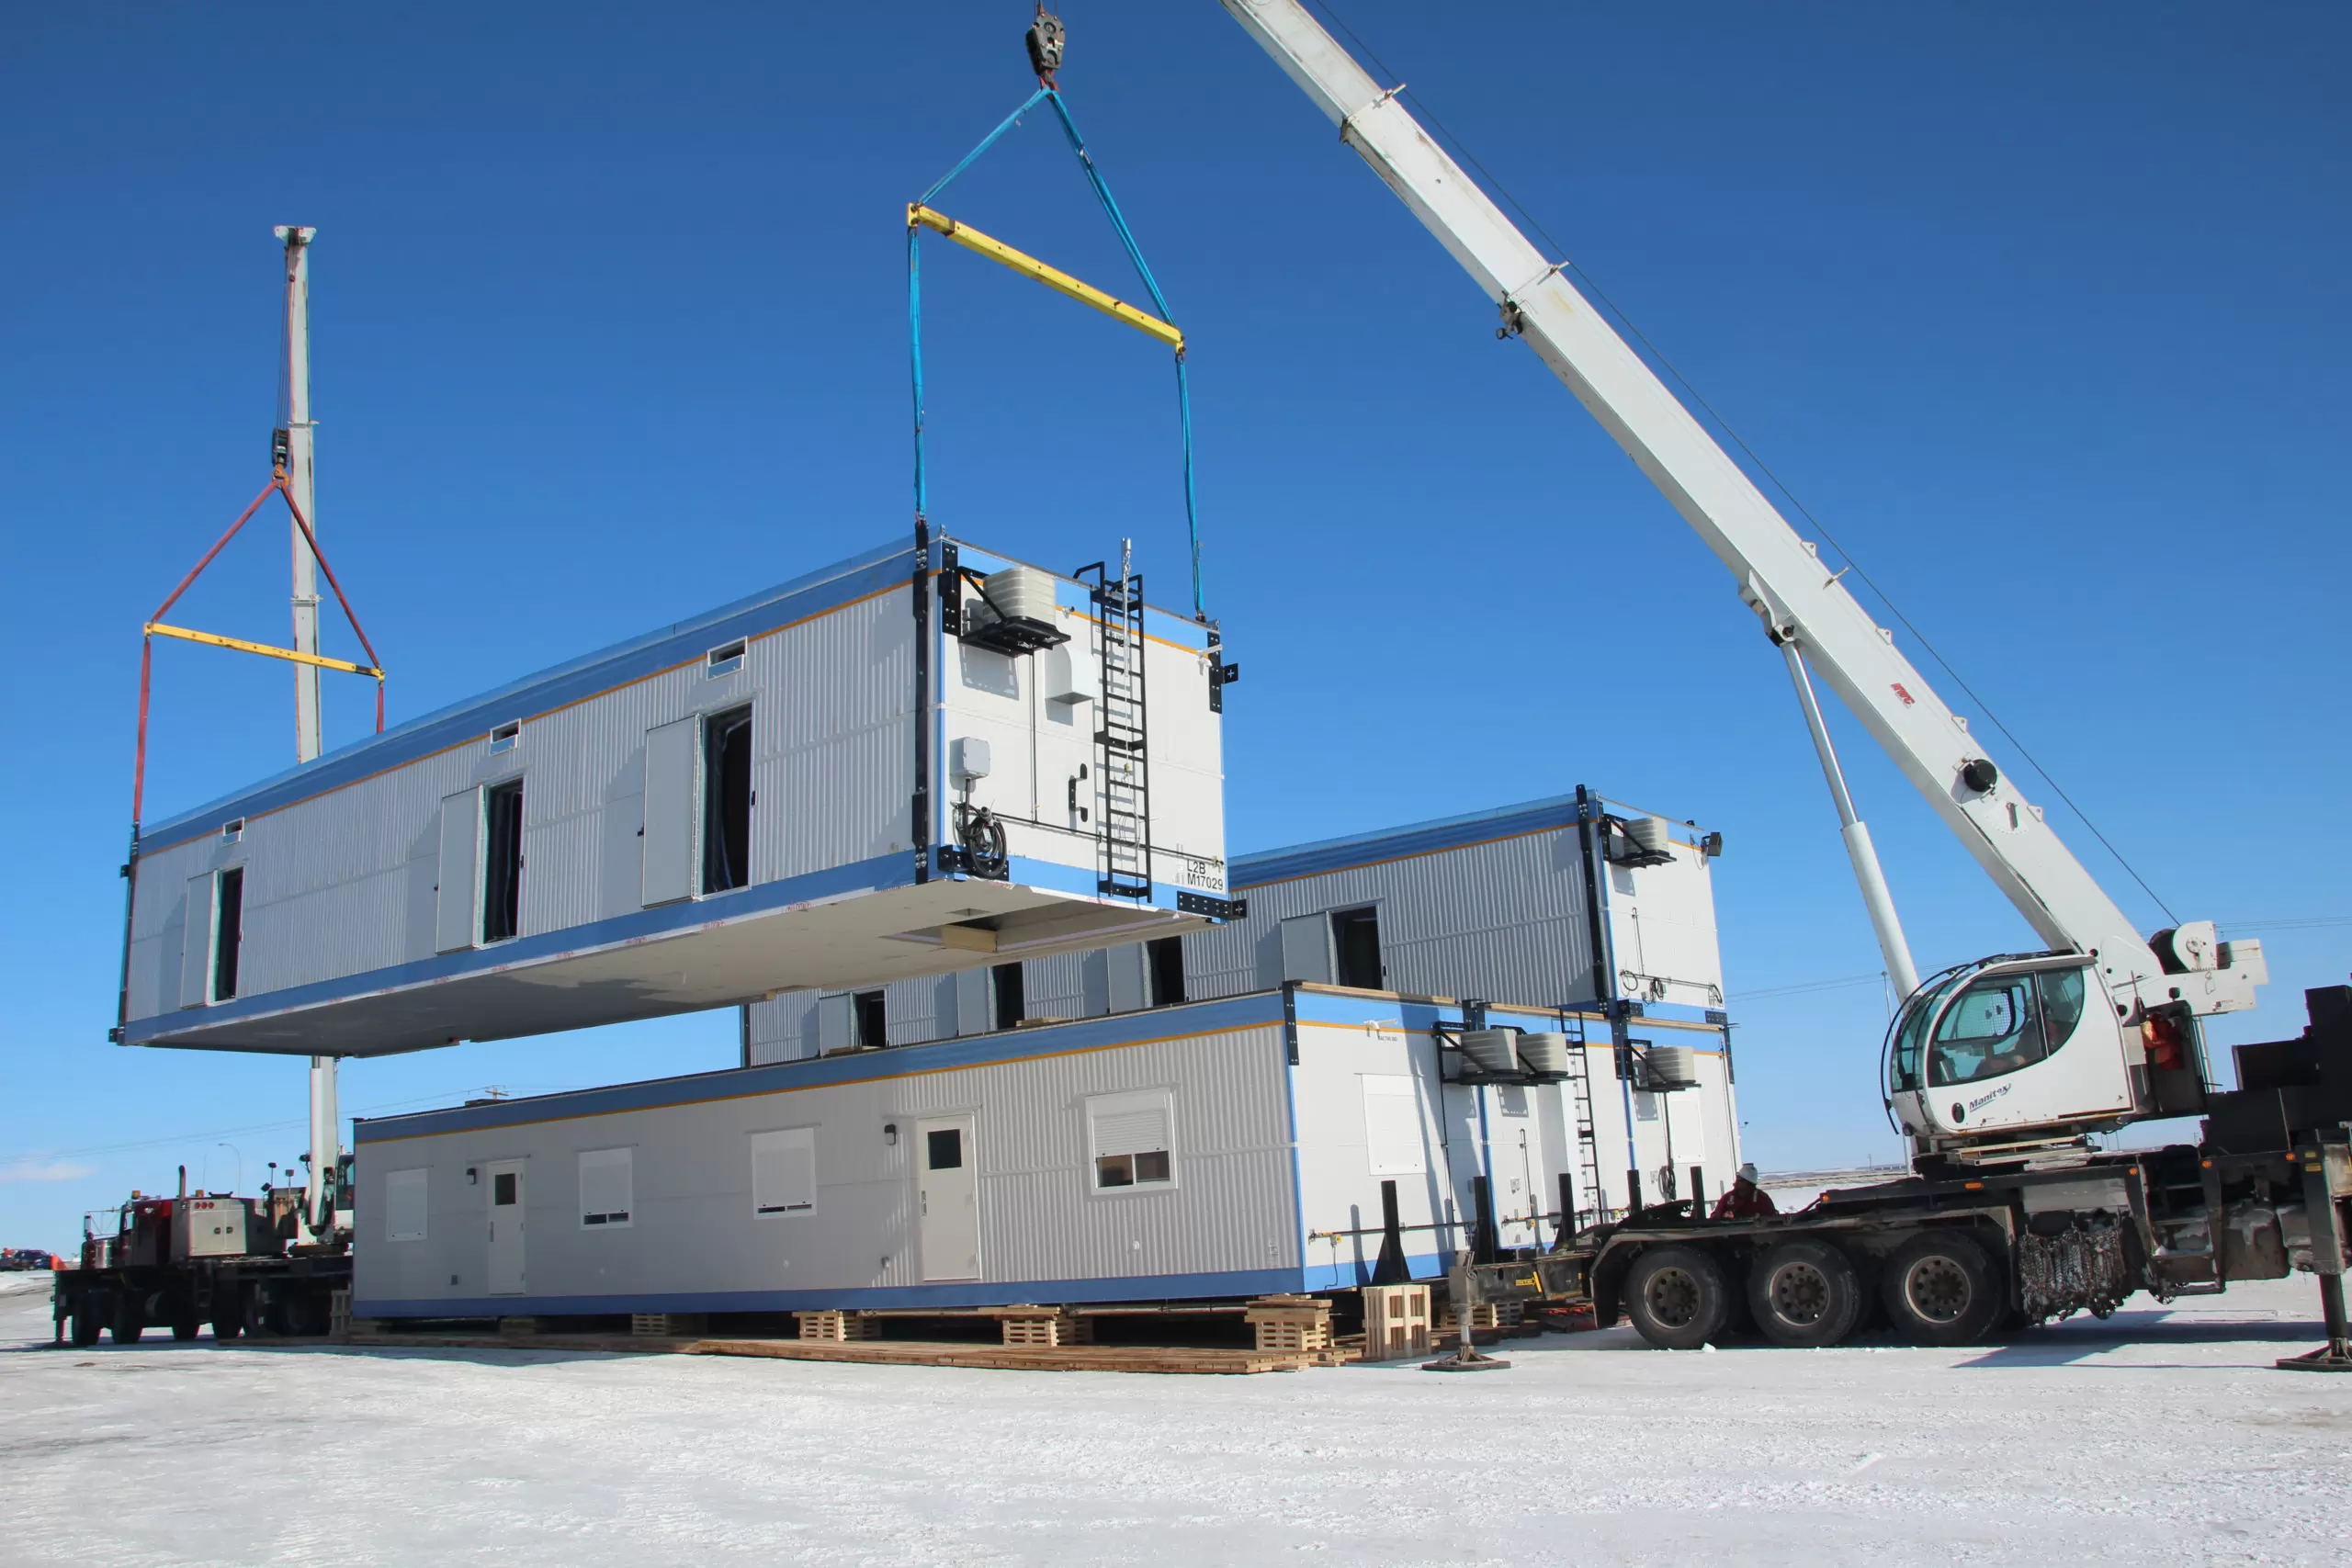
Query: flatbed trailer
{"x": 1960, "y": 1250}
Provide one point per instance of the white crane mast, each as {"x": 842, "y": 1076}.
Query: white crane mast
{"x": 326, "y": 1137}
{"x": 1779, "y": 574}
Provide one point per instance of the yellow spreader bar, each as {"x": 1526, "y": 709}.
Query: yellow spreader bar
{"x": 1060, "y": 282}
{"x": 216, "y": 640}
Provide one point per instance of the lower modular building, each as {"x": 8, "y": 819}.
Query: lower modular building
{"x": 910, "y": 762}
{"x": 1212, "y": 1149}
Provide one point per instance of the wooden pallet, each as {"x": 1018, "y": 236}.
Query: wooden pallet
{"x": 1395, "y": 1322}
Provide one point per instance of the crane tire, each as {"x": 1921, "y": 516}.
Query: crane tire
{"x": 125, "y": 1324}
{"x": 1941, "y": 1288}
{"x": 228, "y": 1324}
{"x": 185, "y": 1328}
{"x": 88, "y": 1323}
{"x": 1805, "y": 1294}
{"x": 1678, "y": 1297}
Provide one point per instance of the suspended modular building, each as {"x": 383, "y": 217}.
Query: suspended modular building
{"x": 921, "y": 760}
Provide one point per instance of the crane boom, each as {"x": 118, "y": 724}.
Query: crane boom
{"x": 1779, "y": 574}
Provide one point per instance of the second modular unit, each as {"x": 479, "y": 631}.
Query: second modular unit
{"x": 1218, "y": 1149}
{"x": 872, "y": 772}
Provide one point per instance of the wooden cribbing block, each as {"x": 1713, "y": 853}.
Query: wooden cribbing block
{"x": 838, "y": 1327}
{"x": 1290, "y": 1325}
{"x": 667, "y": 1324}
{"x": 1395, "y": 1322}
{"x": 1028, "y": 1324}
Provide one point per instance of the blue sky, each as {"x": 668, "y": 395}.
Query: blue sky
{"x": 2041, "y": 310}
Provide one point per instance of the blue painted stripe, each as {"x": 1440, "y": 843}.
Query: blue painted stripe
{"x": 880, "y": 872}
{"x": 546, "y": 947}
{"x": 1349, "y": 1275}
{"x": 1234, "y": 1283}
{"x": 1328, "y": 855}
{"x": 863, "y": 1066}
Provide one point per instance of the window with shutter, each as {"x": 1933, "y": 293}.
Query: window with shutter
{"x": 404, "y": 1205}
{"x": 605, "y": 1184}
{"x": 1131, "y": 1137}
{"x": 784, "y": 1171}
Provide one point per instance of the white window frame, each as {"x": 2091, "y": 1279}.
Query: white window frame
{"x": 419, "y": 1179}
{"x": 785, "y": 1139}
{"x": 624, "y": 1160}
{"x": 1099, "y": 1109}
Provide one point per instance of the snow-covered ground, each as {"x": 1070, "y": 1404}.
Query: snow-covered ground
{"x": 2162, "y": 1436}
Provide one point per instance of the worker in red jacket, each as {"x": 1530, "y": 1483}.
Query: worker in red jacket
{"x": 1746, "y": 1200}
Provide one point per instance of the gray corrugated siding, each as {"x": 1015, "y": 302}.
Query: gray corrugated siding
{"x": 1232, "y": 1207}
{"x": 1503, "y": 921}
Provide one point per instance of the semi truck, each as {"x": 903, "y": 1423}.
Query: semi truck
{"x": 2002, "y": 1073}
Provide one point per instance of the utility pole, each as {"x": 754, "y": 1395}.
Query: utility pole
{"x": 293, "y": 450}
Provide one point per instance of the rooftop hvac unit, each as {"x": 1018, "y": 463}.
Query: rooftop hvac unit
{"x": 1649, "y": 841}
{"x": 1492, "y": 1049}
{"x": 1671, "y": 1067}
{"x": 1546, "y": 1054}
{"x": 1013, "y": 610}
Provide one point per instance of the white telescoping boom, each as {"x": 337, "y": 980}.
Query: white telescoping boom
{"x": 1804, "y": 605}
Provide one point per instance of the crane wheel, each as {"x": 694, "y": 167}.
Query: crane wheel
{"x": 1678, "y": 1297}
{"x": 125, "y": 1325}
{"x": 228, "y": 1324}
{"x": 1805, "y": 1294}
{"x": 185, "y": 1329}
{"x": 87, "y": 1324}
{"x": 1941, "y": 1288}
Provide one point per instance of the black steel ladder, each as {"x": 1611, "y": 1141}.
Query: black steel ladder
{"x": 1595, "y": 1197}
{"x": 1123, "y": 770}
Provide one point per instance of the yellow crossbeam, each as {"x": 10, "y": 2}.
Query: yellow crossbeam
{"x": 215, "y": 639}
{"x": 1060, "y": 282}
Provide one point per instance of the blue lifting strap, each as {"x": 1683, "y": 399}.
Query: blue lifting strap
{"x": 1143, "y": 270}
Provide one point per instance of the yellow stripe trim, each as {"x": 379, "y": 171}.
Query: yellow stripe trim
{"x": 215, "y": 639}
{"x": 1060, "y": 282}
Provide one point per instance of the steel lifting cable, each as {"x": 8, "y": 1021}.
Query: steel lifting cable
{"x": 155, "y": 628}
{"x": 920, "y": 217}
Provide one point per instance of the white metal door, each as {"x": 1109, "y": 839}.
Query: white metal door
{"x": 457, "y": 909}
{"x": 672, "y": 812}
{"x": 505, "y": 1184}
{"x": 948, "y": 1195}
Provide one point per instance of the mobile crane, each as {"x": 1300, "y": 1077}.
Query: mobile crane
{"x": 1996, "y": 1071}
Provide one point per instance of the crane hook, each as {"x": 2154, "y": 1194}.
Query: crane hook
{"x": 1045, "y": 40}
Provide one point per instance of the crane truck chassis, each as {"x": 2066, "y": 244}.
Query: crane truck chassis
{"x": 1966, "y": 1246}
{"x": 180, "y": 1263}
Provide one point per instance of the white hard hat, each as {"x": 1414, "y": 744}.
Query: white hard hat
{"x": 1748, "y": 1172}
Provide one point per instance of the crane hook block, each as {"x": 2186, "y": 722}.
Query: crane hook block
{"x": 1044, "y": 42}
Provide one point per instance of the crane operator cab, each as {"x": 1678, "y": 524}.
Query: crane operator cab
{"x": 2011, "y": 1046}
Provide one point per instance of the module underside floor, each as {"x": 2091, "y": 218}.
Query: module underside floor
{"x": 2161, "y": 1437}
{"x": 866, "y": 940}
